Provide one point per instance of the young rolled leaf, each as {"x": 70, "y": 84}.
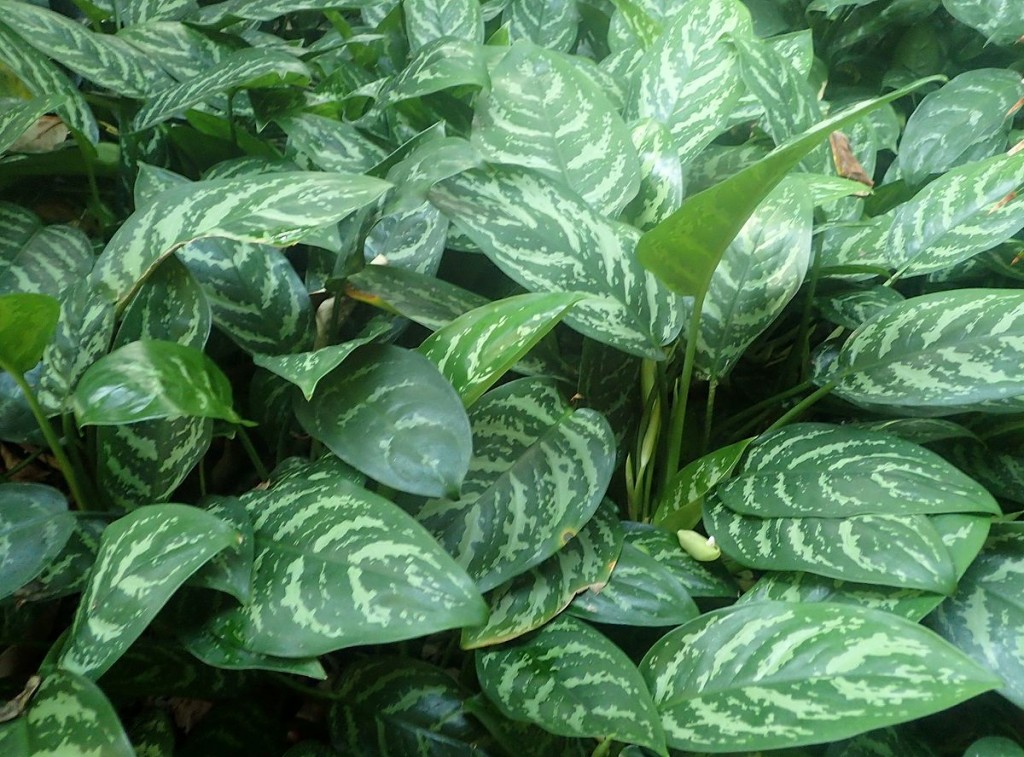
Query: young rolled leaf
{"x": 150, "y": 379}
{"x": 144, "y": 557}
{"x": 774, "y": 674}
{"x": 572, "y": 681}
{"x": 337, "y": 566}
{"x": 684, "y": 249}
{"x": 389, "y": 413}
{"x": 34, "y": 526}
{"x": 479, "y": 347}
{"x": 27, "y": 322}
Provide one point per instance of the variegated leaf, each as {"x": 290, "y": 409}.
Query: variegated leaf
{"x": 571, "y": 681}
{"x": 994, "y": 746}
{"x": 636, "y": 24}
{"x": 963, "y": 536}
{"x": 548, "y": 23}
{"x": 102, "y": 58}
{"x": 331, "y": 145}
{"x": 439, "y": 65}
{"x": 43, "y": 78}
{"x": 983, "y": 615}
{"x": 272, "y": 208}
{"x": 144, "y": 557}
{"x": 217, "y": 646}
{"x": 533, "y": 598}
{"x": 427, "y": 164}
{"x": 38, "y": 258}
{"x": 412, "y": 239}
{"x": 152, "y": 733}
{"x": 267, "y": 10}
{"x": 999, "y": 20}
{"x": 34, "y": 526}
{"x": 816, "y": 470}
{"x": 966, "y": 211}
{"x": 134, "y": 12}
{"x": 324, "y": 576}
{"x": 389, "y": 413}
{"x": 661, "y": 176}
{"x": 530, "y": 488}
{"x": 429, "y": 20}
{"x": 775, "y": 674}
{"x": 430, "y": 302}
{"x": 395, "y": 706}
{"x": 760, "y": 272}
{"x": 243, "y": 68}
{"x": 859, "y": 246}
{"x": 680, "y": 503}
{"x": 479, "y": 347}
{"x": 853, "y": 308}
{"x": 68, "y": 571}
{"x": 946, "y": 352}
{"x": 180, "y": 50}
{"x": 688, "y": 80}
{"x": 904, "y": 551}
{"x": 68, "y": 715}
{"x": 701, "y": 579}
{"x": 230, "y": 570}
{"x": 18, "y": 119}
{"x": 541, "y": 114}
{"x": 555, "y": 242}
{"x": 971, "y": 108}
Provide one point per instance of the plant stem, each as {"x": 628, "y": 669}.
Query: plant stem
{"x": 673, "y": 450}
{"x": 9, "y": 474}
{"x": 767, "y": 403}
{"x": 801, "y": 407}
{"x": 709, "y": 415}
{"x": 254, "y": 457}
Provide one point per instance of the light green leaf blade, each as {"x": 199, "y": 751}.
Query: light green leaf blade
{"x": 144, "y": 557}
{"x": 479, "y": 347}
{"x": 685, "y": 248}
{"x": 1000, "y": 21}
{"x": 256, "y": 67}
{"x": 994, "y": 746}
{"x": 571, "y": 681}
{"x": 102, "y": 58}
{"x": 442, "y": 64}
{"x": 946, "y": 352}
{"x": 271, "y": 208}
{"x": 555, "y": 242}
{"x": 40, "y": 259}
{"x": 542, "y": 114}
{"x": 548, "y": 23}
{"x": 824, "y": 471}
{"x": 43, "y": 78}
{"x": 389, "y": 413}
{"x": 982, "y": 616}
{"x": 27, "y": 322}
{"x": 533, "y": 598}
{"x": 306, "y": 369}
{"x": 34, "y": 526}
{"x": 680, "y": 504}
{"x": 150, "y": 379}
{"x": 69, "y": 715}
{"x": 429, "y": 20}
{"x": 775, "y": 674}
{"x": 19, "y": 118}
{"x": 337, "y": 566}
{"x": 962, "y": 213}
{"x": 536, "y": 487}
{"x": 971, "y": 108}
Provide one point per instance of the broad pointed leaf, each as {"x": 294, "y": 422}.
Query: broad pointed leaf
{"x": 775, "y": 674}
{"x": 144, "y": 557}
{"x": 37, "y": 258}
{"x": 182, "y": 51}
{"x": 851, "y": 309}
{"x": 661, "y": 176}
{"x": 430, "y": 302}
{"x": 548, "y": 23}
{"x": 34, "y": 526}
{"x": 999, "y": 20}
{"x": 429, "y": 20}
{"x": 27, "y": 321}
{"x": 331, "y": 145}
{"x": 680, "y": 503}
{"x": 19, "y": 118}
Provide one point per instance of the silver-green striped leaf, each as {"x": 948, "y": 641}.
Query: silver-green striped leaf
{"x": 390, "y": 706}
{"x": 983, "y": 616}
{"x": 775, "y": 674}
{"x": 555, "y": 242}
{"x": 271, "y": 208}
{"x": 689, "y": 80}
{"x": 816, "y": 470}
{"x": 963, "y": 536}
{"x": 533, "y": 598}
{"x": 389, "y": 413}
{"x": 538, "y": 473}
{"x": 1000, "y": 21}
{"x": 429, "y": 20}
{"x": 104, "y": 59}
{"x": 860, "y": 245}
{"x": 267, "y": 10}
{"x": 479, "y": 347}
{"x": 412, "y": 239}
{"x": 701, "y": 579}
{"x": 904, "y": 551}
{"x": 439, "y": 65}
{"x": 255, "y": 67}
{"x": 962, "y": 213}
{"x": 851, "y": 309}
{"x": 571, "y": 681}
{"x": 680, "y": 503}
{"x": 429, "y": 301}
{"x": 946, "y": 352}
{"x": 68, "y": 715}
{"x": 661, "y": 176}
{"x": 34, "y": 526}
{"x": 548, "y": 23}
{"x": 541, "y": 113}
{"x": 135, "y": 12}
{"x": 180, "y": 50}
{"x": 144, "y": 557}
{"x": 331, "y": 145}
{"x": 973, "y": 107}
{"x": 43, "y": 78}
{"x": 760, "y": 272}
{"x": 230, "y": 570}
{"x": 337, "y": 566}
{"x": 37, "y": 258}
{"x": 18, "y": 119}
{"x": 216, "y": 646}
{"x": 67, "y": 573}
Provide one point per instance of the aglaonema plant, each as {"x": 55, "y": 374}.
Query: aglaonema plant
{"x": 516, "y": 377}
